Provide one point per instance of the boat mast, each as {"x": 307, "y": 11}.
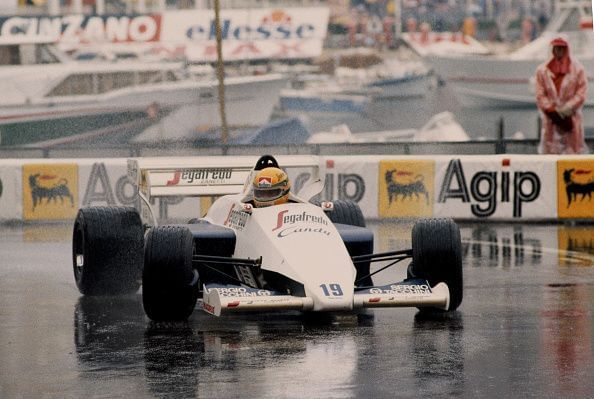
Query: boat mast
{"x": 397, "y": 20}
{"x": 220, "y": 72}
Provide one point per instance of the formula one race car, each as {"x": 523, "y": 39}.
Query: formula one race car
{"x": 301, "y": 255}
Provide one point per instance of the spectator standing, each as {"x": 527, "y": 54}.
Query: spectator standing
{"x": 561, "y": 87}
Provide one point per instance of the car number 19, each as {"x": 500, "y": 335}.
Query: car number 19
{"x": 331, "y": 289}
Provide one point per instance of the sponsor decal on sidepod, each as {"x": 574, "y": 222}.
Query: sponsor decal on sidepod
{"x": 285, "y": 224}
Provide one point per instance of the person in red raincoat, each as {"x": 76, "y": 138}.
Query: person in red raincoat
{"x": 561, "y": 87}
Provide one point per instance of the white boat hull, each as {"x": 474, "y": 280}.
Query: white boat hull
{"x": 249, "y": 102}
{"x": 485, "y": 82}
{"x": 411, "y": 86}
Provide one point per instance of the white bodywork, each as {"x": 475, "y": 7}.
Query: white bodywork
{"x": 296, "y": 240}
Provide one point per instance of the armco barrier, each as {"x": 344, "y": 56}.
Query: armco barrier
{"x": 487, "y": 187}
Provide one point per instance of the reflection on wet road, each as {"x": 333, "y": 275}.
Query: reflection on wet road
{"x": 525, "y": 329}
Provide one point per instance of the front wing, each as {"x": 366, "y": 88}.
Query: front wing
{"x": 219, "y": 299}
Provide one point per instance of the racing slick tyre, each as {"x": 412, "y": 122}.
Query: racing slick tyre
{"x": 107, "y": 250}
{"x": 347, "y": 212}
{"x": 437, "y": 256}
{"x": 169, "y": 283}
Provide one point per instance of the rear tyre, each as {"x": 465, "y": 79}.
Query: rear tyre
{"x": 169, "y": 283}
{"x": 437, "y": 256}
{"x": 107, "y": 250}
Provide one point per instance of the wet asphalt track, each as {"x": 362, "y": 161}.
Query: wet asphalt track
{"x": 524, "y": 330}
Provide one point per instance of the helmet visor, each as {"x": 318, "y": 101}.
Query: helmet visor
{"x": 267, "y": 194}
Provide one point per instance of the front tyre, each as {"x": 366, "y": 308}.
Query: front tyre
{"x": 437, "y": 256}
{"x": 107, "y": 250}
{"x": 169, "y": 283}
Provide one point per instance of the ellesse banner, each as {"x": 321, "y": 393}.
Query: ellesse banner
{"x": 248, "y": 34}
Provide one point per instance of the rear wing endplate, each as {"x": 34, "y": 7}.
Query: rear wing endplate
{"x": 211, "y": 175}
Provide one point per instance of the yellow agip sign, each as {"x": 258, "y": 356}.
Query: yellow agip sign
{"x": 575, "y": 188}
{"x": 50, "y": 191}
{"x": 405, "y": 188}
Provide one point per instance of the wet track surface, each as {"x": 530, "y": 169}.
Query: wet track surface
{"x": 524, "y": 329}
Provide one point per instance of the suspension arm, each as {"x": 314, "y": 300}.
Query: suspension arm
{"x": 225, "y": 260}
{"x": 383, "y": 256}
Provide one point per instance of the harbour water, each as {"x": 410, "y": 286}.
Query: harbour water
{"x": 410, "y": 113}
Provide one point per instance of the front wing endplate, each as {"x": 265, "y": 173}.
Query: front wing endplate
{"x": 413, "y": 292}
{"x": 220, "y": 299}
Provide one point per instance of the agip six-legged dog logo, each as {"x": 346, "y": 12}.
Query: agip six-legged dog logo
{"x": 405, "y": 188}
{"x": 50, "y": 191}
{"x": 400, "y": 190}
{"x": 574, "y": 189}
{"x": 58, "y": 190}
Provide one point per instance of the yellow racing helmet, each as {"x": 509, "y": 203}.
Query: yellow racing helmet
{"x": 271, "y": 186}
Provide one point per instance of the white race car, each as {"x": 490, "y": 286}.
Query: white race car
{"x": 296, "y": 256}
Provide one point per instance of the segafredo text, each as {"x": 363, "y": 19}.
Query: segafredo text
{"x": 292, "y": 223}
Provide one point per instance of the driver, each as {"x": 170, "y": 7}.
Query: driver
{"x": 271, "y": 186}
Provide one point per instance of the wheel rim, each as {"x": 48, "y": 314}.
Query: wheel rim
{"x": 78, "y": 257}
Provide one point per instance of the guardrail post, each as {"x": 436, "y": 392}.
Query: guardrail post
{"x": 500, "y": 145}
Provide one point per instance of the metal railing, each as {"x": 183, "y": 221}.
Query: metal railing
{"x": 55, "y": 7}
{"x": 189, "y": 148}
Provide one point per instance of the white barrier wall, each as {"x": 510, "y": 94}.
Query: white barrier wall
{"x": 496, "y": 187}
{"x": 10, "y": 204}
{"x": 105, "y": 182}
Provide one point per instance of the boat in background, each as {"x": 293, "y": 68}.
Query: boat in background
{"x": 333, "y": 93}
{"x": 507, "y": 81}
{"x": 313, "y": 94}
{"x": 47, "y": 96}
{"x": 442, "y": 127}
{"x": 391, "y": 79}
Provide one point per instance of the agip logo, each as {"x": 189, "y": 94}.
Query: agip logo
{"x": 405, "y": 188}
{"x": 575, "y": 182}
{"x": 50, "y": 191}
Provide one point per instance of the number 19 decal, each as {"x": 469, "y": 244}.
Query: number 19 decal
{"x": 331, "y": 289}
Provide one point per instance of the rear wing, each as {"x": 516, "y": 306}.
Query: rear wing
{"x": 211, "y": 176}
